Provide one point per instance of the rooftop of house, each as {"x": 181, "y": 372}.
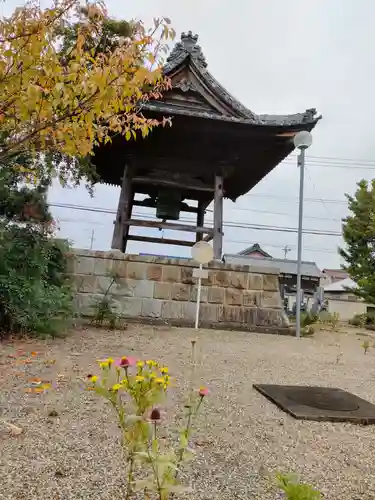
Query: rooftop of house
{"x": 284, "y": 266}
{"x": 340, "y": 286}
{"x": 335, "y": 273}
{"x": 255, "y": 249}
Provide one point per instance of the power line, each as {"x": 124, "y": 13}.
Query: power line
{"x": 234, "y": 224}
{"x": 240, "y": 242}
{"x": 240, "y": 209}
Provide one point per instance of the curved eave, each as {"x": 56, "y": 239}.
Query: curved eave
{"x": 297, "y": 120}
{"x": 240, "y": 112}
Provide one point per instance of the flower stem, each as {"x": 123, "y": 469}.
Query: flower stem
{"x": 130, "y": 477}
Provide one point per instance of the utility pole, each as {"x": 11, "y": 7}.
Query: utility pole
{"x": 302, "y": 140}
{"x": 92, "y": 239}
{"x": 286, "y": 250}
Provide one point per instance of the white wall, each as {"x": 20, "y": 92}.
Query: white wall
{"x": 346, "y": 309}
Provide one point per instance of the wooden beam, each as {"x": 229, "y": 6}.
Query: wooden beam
{"x": 166, "y": 241}
{"x": 123, "y": 212}
{"x": 168, "y": 225}
{"x": 167, "y": 183}
{"x": 218, "y": 218}
{"x": 184, "y": 207}
{"x": 200, "y": 219}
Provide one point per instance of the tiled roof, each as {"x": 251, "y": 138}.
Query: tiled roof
{"x": 285, "y": 266}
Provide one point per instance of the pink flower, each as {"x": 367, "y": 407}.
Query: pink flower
{"x": 125, "y": 362}
{"x": 203, "y": 391}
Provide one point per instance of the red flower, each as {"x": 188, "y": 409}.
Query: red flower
{"x": 155, "y": 414}
{"x": 203, "y": 391}
{"x": 125, "y": 362}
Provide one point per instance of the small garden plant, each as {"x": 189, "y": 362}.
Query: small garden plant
{"x": 103, "y": 308}
{"x": 135, "y": 390}
{"x": 366, "y": 346}
{"x": 293, "y": 489}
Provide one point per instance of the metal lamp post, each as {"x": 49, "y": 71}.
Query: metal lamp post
{"x": 302, "y": 141}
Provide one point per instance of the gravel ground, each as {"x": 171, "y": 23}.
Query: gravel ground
{"x": 241, "y": 440}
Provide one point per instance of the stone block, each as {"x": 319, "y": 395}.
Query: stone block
{"x": 233, "y": 297}
{"x": 252, "y": 298}
{"x": 187, "y": 276}
{"x": 269, "y": 317}
{"x": 171, "y": 274}
{"x": 221, "y": 278}
{"x": 230, "y": 314}
{"x": 255, "y": 282}
{"x": 154, "y": 272}
{"x": 162, "y": 291}
{"x": 271, "y": 282}
{"x": 70, "y": 262}
{"x": 216, "y": 295}
{"x": 123, "y": 288}
{"x": 84, "y": 264}
{"x": 85, "y": 303}
{"x": 87, "y": 284}
{"x": 103, "y": 283}
{"x": 136, "y": 270}
{"x": 208, "y": 313}
{"x": 172, "y": 310}
{"x": 189, "y": 310}
{"x": 131, "y": 307}
{"x": 102, "y": 267}
{"x": 180, "y": 292}
{"x": 238, "y": 280}
{"x": 249, "y": 315}
{"x": 271, "y": 299}
{"x": 194, "y": 293}
{"x": 144, "y": 289}
{"x": 151, "y": 308}
{"x": 119, "y": 268}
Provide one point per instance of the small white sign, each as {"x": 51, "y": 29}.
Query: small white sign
{"x": 200, "y": 273}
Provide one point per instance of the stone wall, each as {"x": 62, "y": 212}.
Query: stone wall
{"x": 161, "y": 289}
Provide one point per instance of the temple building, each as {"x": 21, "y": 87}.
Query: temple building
{"x": 215, "y": 148}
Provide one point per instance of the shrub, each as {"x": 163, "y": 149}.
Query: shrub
{"x": 35, "y": 295}
{"x": 308, "y": 318}
{"x": 362, "y": 320}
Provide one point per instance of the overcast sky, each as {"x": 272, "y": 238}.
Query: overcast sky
{"x": 276, "y": 57}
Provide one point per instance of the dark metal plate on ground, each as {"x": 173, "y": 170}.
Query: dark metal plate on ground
{"x": 319, "y": 403}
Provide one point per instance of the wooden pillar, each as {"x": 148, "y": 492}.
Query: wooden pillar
{"x": 124, "y": 208}
{"x": 218, "y": 218}
{"x": 200, "y": 219}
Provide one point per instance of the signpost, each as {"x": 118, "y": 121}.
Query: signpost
{"x": 202, "y": 253}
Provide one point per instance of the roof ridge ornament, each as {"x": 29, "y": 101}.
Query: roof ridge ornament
{"x": 188, "y": 46}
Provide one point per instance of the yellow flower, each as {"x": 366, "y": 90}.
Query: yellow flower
{"x": 140, "y": 364}
{"x": 150, "y": 363}
{"x": 167, "y": 379}
{"x": 159, "y": 380}
{"x": 164, "y": 369}
{"x": 94, "y": 379}
{"x": 116, "y": 387}
{"x": 110, "y": 361}
{"x": 104, "y": 365}
{"x": 139, "y": 378}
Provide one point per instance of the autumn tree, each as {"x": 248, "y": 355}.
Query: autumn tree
{"x": 66, "y": 105}
{"x": 359, "y": 238}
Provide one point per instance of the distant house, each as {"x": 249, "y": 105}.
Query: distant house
{"x": 343, "y": 302}
{"x": 310, "y": 279}
{"x": 256, "y": 252}
{"x": 332, "y": 276}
